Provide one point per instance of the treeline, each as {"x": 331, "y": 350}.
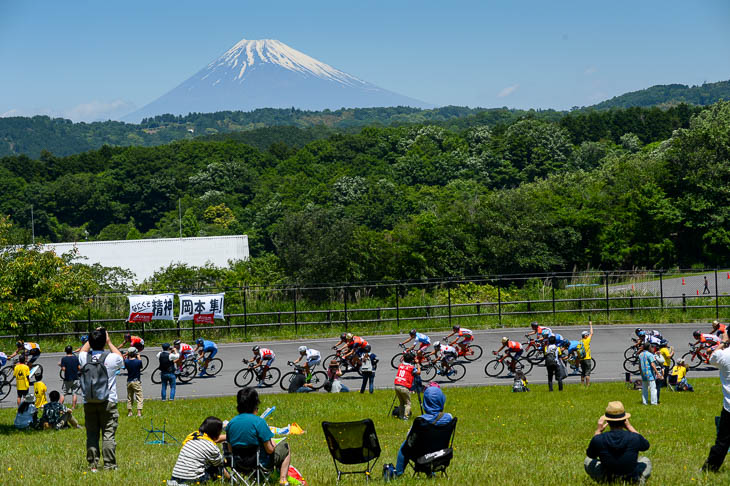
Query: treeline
{"x": 410, "y": 202}
{"x": 670, "y": 94}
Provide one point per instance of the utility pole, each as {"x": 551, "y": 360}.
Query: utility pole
{"x": 179, "y": 215}
{"x": 32, "y": 223}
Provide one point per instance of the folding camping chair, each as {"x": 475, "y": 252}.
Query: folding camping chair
{"x": 352, "y": 443}
{"x": 244, "y": 464}
{"x": 428, "y": 446}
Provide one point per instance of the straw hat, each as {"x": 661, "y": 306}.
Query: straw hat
{"x": 615, "y": 412}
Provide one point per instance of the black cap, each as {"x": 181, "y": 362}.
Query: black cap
{"x": 165, "y": 345}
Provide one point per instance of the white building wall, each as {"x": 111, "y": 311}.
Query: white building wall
{"x": 145, "y": 257}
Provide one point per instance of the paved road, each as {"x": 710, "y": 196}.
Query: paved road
{"x": 609, "y": 343}
{"x": 673, "y": 288}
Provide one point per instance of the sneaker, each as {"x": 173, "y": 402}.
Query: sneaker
{"x": 450, "y": 373}
{"x": 129, "y": 414}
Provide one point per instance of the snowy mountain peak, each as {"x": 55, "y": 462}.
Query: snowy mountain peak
{"x": 247, "y": 54}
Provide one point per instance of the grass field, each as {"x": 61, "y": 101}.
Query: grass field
{"x": 502, "y": 437}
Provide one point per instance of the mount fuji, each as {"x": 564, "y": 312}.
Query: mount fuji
{"x": 269, "y": 74}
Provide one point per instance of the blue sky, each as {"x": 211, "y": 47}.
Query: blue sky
{"x": 92, "y": 59}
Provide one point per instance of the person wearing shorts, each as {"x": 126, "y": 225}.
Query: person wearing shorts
{"x": 207, "y": 350}
{"x": 21, "y": 372}
{"x": 71, "y": 385}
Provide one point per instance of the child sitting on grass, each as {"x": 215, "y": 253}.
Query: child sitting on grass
{"x": 56, "y": 415}
{"x": 678, "y": 377}
{"x": 200, "y": 459}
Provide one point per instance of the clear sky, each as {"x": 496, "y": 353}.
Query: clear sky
{"x": 92, "y": 59}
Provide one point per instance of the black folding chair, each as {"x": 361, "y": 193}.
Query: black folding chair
{"x": 244, "y": 465}
{"x": 352, "y": 443}
{"x": 428, "y": 447}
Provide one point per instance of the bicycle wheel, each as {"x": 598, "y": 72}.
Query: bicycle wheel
{"x": 526, "y": 365}
{"x": 428, "y": 373}
{"x": 473, "y": 353}
{"x": 39, "y": 369}
{"x": 632, "y": 365}
{"x": 7, "y": 373}
{"x": 145, "y": 361}
{"x": 319, "y": 378}
{"x": 396, "y": 361}
{"x": 494, "y": 368}
{"x": 630, "y": 352}
{"x": 287, "y": 378}
{"x": 326, "y": 362}
{"x": 5, "y": 388}
{"x": 61, "y": 374}
{"x": 189, "y": 370}
{"x": 593, "y": 364}
{"x": 272, "y": 377}
{"x": 243, "y": 377}
{"x": 214, "y": 366}
{"x": 692, "y": 359}
{"x": 156, "y": 376}
{"x": 457, "y": 372}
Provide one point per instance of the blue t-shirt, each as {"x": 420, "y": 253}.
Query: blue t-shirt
{"x": 647, "y": 372}
{"x": 573, "y": 345}
{"x": 558, "y": 339}
{"x": 71, "y": 363}
{"x": 247, "y": 429}
{"x": 422, "y": 338}
{"x": 209, "y": 346}
{"x": 134, "y": 369}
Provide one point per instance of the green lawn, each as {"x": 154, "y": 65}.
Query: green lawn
{"x": 502, "y": 437}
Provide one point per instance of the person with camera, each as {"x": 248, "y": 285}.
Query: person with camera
{"x": 98, "y": 378}
{"x": 404, "y": 380}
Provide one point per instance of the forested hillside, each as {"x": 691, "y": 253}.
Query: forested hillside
{"x": 625, "y": 188}
{"x": 670, "y": 94}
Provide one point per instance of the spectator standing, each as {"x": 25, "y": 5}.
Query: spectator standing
{"x": 100, "y": 404}
{"x": 367, "y": 369}
{"x": 404, "y": 378}
{"x": 248, "y": 429}
{"x": 706, "y": 290}
{"x": 70, "y": 367}
{"x": 167, "y": 359}
{"x": 21, "y": 372}
{"x": 664, "y": 356}
{"x": 649, "y": 374}
{"x": 552, "y": 363}
{"x": 585, "y": 362}
{"x": 39, "y": 389}
{"x": 56, "y": 415}
{"x": 614, "y": 455}
{"x": 721, "y": 359}
{"x": 133, "y": 365}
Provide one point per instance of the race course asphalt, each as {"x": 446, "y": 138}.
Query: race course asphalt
{"x": 608, "y": 345}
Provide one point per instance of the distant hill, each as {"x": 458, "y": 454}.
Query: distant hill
{"x": 663, "y": 95}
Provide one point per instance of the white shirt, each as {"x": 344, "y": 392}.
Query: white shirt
{"x": 721, "y": 359}
{"x": 313, "y": 354}
{"x": 113, "y": 363}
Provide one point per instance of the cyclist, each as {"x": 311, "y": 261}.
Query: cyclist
{"x": 718, "y": 329}
{"x": 707, "y": 341}
{"x": 263, "y": 358}
{"x": 643, "y": 335}
{"x": 184, "y": 350}
{"x": 547, "y": 332}
{"x": 342, "y": 344}
{"x": 653, "y": 339}
{"x": 203, "y": 347}
{"x": 539, "y": 331}
{"x": 466, "y": 336}
{"x": 83, "y": 340}
{"x": 513, "y": 350}
{"x": 311, "y": 356}
{"x": 421, "y": 339}
{"x": 447, "y": 354}
{"x": 355, "y": 345}
{"x": 31, "y": 351}
{"x": 135, "y": 341}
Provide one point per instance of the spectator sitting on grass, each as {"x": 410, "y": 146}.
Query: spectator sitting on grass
{"x": 56, "y": 415}
{"x": 333, "y": 383}
{"x": 679, "y": 374}
{"x": 200, "y": 459}
{"x": 298, "y": 384}
{"x": 614, "y": 456}
{"x": 247, "y": 429}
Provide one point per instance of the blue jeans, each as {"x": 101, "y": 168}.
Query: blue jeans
{"x": 400, "y": 463}
{"x": 367, "y": 376}
{"x": 168, "y": 378}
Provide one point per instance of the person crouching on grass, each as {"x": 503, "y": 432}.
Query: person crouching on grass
{"x": 200, "y": 459}
{"x": 614, "y": 455}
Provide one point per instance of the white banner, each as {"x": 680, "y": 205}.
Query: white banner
{"x": 146, "y": 308}
{"x": 202, "y": 309}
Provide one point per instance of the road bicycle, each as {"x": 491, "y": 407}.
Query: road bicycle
{"x": 145, "y": 360}
{"x": 188, "y": 369}
{"x": 534, "y": 352}
{"x": 6, "y": 374}
{"x": 246, "y": 375}
{"x": 633, "y": 364}
{"x": 420, "y": 357}
{"x": 315, "y": 378}
{"x": 5, "y": 388}
{"x": 470, "y": 352}
{"x": 496, "y": 366}
{"x": 431, "y": 369}
{"x": 346, "y": 365}
{"x": 574, "y": 364}
{"x": 696, "y": 356}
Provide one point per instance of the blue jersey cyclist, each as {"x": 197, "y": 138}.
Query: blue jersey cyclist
{"x": 206, "y": 350}
{"x": 419, "y": 339}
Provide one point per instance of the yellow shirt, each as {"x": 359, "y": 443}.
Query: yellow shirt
{"x": 587, "y": 344}
{"x": 21, "y": 373}
{"x": 40, "y": 394}
{"x": 680, "y": 371}
{"x": 667, "y": 355}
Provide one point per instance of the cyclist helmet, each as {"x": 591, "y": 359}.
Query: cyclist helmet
{"x": 641, "y": 334}
{"x": 697, "y": 334}
{"x": 128, "y": 337}
{"x": 565, "y": 343}
{"x": 545, "y": 333}
{"x": 302, "y": 349}
{"x": 715, "y": 324}
{"x": 177, "y": 343}
{"x": 504, "y": 340}
{"x": 343, "y": 336}
{"x": 69, "y": 349}
{"x": 456, "y": 327}
{"x": 639, "y": 331}
{"x": 533, "y": 324}
{"x": 412, "y": 333}
{"x": 199, "y": 341}
{"x": 367, "y": 348}
{"x": 585, "y": 333}
{"x": 256, "y": 349}
{"x": 349, "y": 336}
{"x": 19, "y": 344}
{"x": 84, "y": 338}
{"x": 437, "y": 345}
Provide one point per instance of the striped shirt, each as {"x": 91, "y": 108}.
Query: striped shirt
{"x": 195, "y": 456}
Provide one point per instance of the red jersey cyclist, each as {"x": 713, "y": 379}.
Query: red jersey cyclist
{"x": 513, "y": 350}
{"x": 707, "y": 341}
{"x": 184, "y": 350}
{"x": 263, "y": 358}
{"x": 355, "y": 345}
{"x": 539, "y": 331}
{"x": 446, "y": 354}
{"x": 135, "y": 341}
{"x": 718, "y": 329}
{"x": 464, "y": 337}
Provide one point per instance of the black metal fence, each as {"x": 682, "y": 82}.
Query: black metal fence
{"x": 485, "y": 301}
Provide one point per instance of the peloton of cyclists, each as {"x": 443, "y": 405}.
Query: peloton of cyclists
{"x": 464, "y": 337}
{"x": 206, "y": 350}
{"x": 311, "y": 358}
{"x": 707, "y": 341}
{"x": 513, "y": 349}
{"x": 262, "y": 358}
{"x": 31, "y": 351}
{"x": 447, "y": 354}
{"x": 419, "y": 339}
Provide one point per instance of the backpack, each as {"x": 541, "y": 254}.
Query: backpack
{"x": 374, "y": 360}
{"x": 95, "y": 379}
{"x": 26, "y": 416}
{"x": 581, "y": 350}
{"x": 388, "y": 472}
{"x": 550, "y": 359}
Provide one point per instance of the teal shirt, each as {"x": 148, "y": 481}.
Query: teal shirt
{"x": 247, "y": 429}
